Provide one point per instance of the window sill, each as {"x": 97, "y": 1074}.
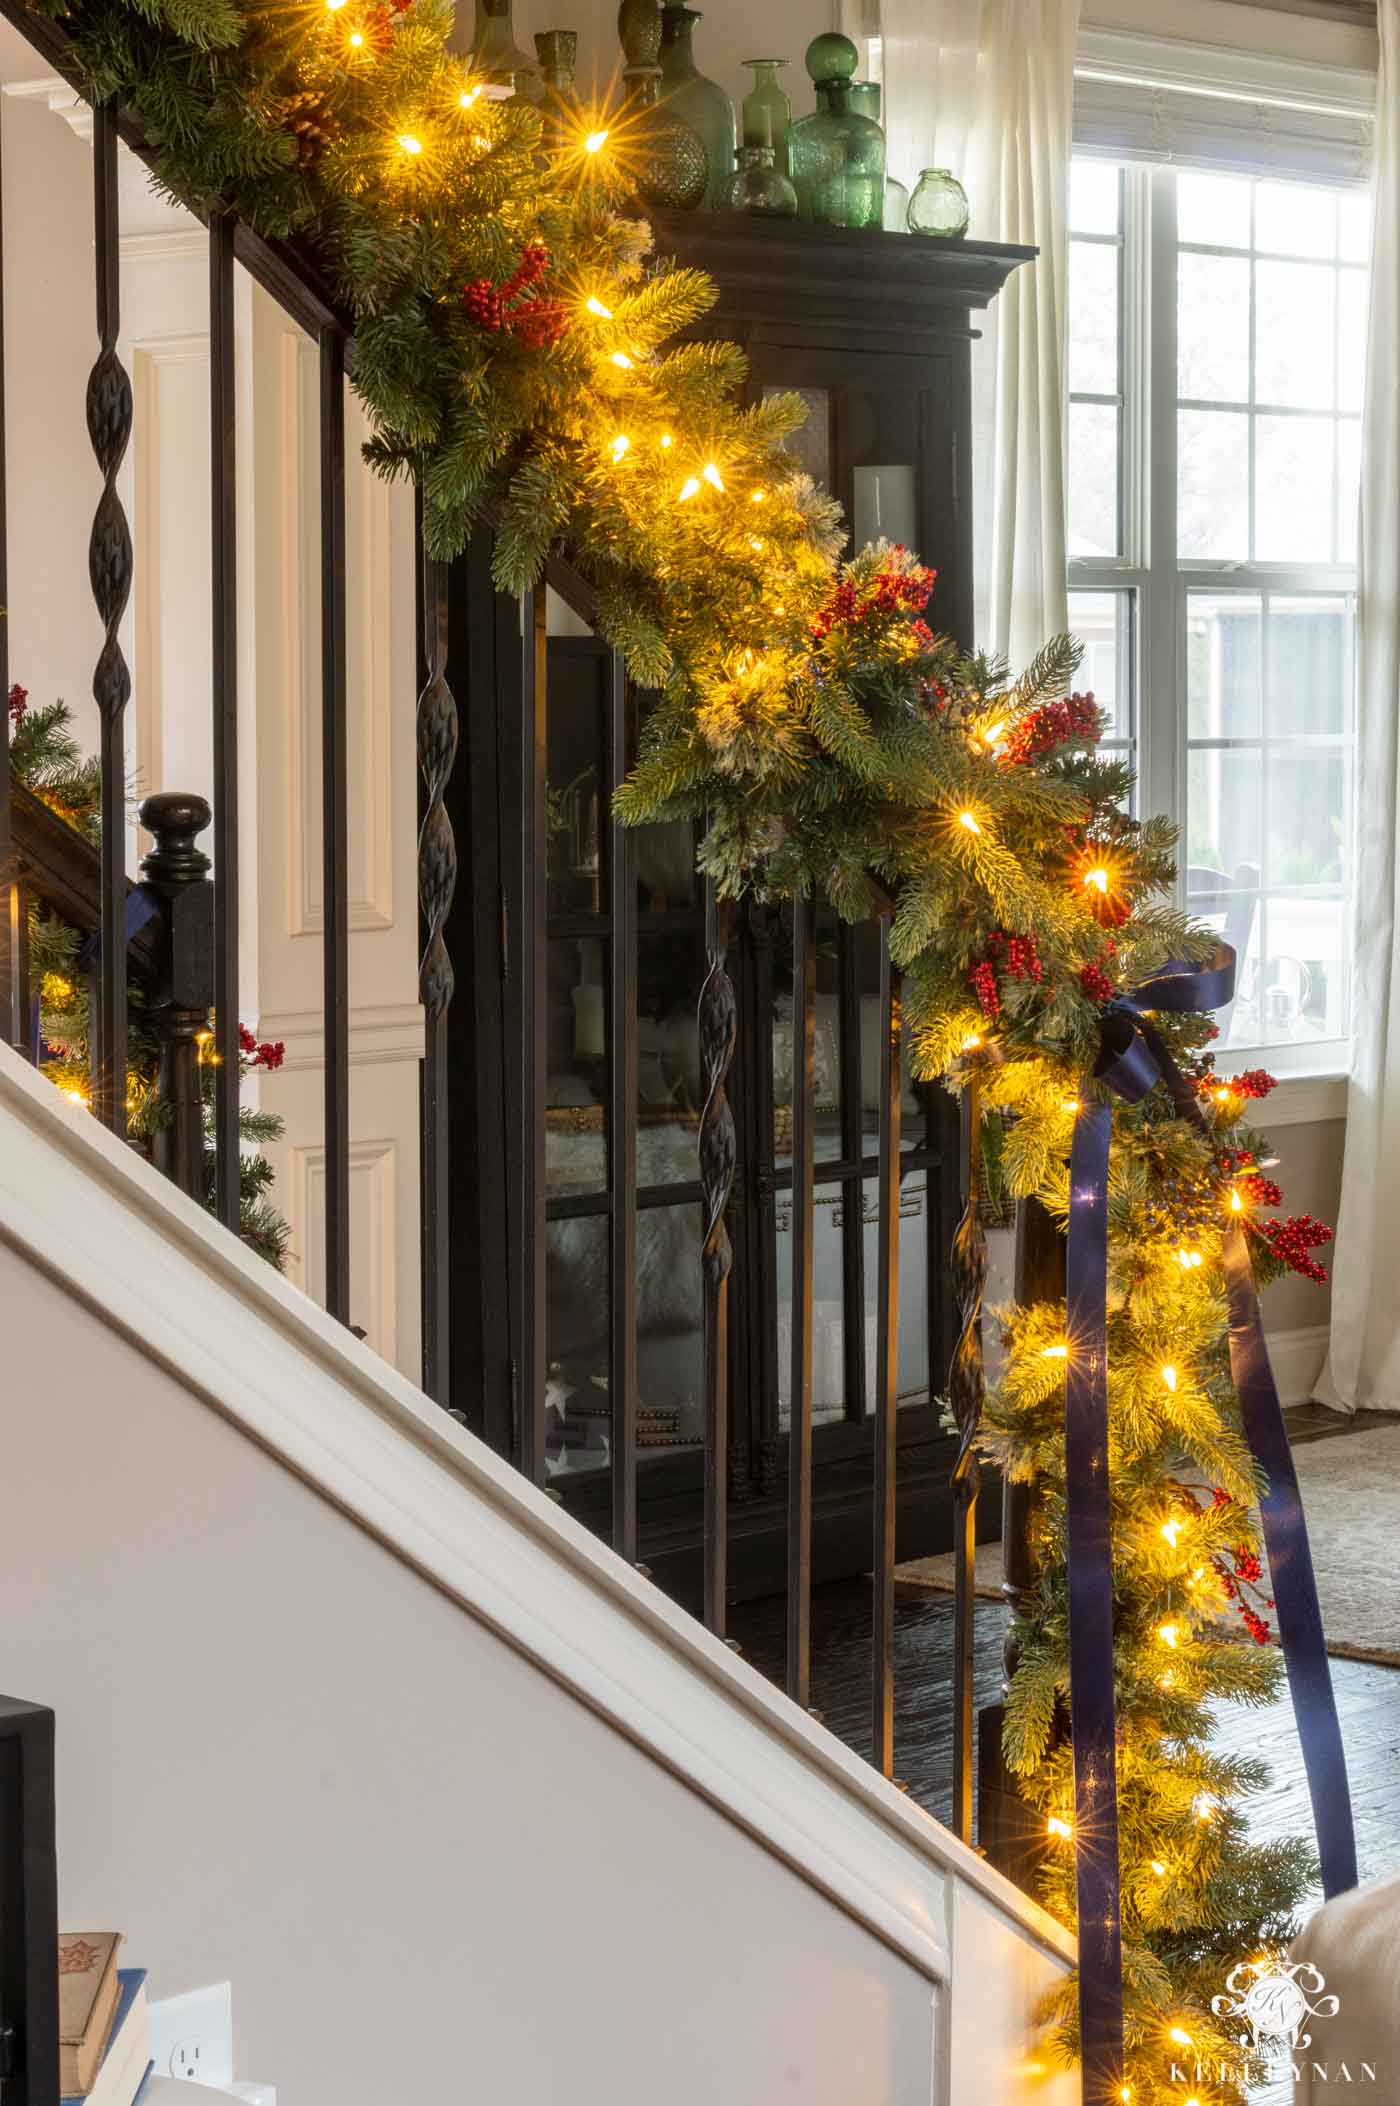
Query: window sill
{"x": 1299, "y": 1100}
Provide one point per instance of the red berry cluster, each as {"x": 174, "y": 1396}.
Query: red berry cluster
{"x": 19, "y": 703}
{"x": 983, "y": 978}
{"x": 1008, "y": 957}
{"x": 1292, "y": 1242}
{"x": 1243, "y": 1570}
{"x": 890, "y": 592}
{"x": 270, "y": 1053}
{"x": 513, "y": 306}
{"x": 1075, "y": 720}
{"x": 1096, "y": 983}
{"x": 1234, "y": 1159}
{"x": 1262, "y": 1190}
{"x": 1254, "y": 1082}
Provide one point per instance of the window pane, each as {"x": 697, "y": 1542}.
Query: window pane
{"x": 1305, "y": 792}
{"x": 1348, "y": 488}
{"x": 1094, "y": 191}
{"x": 1212, "y": 484}
{"x": 1213, "y": 208}
{"x": 577, "y": 1413}
{"x": 1293, "y": 494}
{"x": 1354, "y": 226}
{"x": 1093, "y": 318}
{"x": 1223, "y": 822}
{"x": 1223, "y": 662}
{"x": 1310, "y": 670}
{"x": 1294, "y": 335}
{"x": 1295, "y": 219}
{"x": 828, "y": 1305}
{"x": 1212, "y": 327}
{"x": 1351, "y": 338}
{"x": 1102, "y": 621}
{"x": 911, "y": 1357}
{"x": 1298, "y": 980}
{"x": 1093, "y": 479}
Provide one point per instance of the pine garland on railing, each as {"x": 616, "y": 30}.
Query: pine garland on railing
{"x": 514, "y": 345}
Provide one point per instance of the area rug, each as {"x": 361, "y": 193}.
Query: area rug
{"x": 1351, "y": 1494}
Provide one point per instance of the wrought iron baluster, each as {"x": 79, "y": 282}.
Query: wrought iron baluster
{"x": 622, "y": 1132}
{"x": 437, "y": 882}
{"x": 12, "y": 1018}
{"x": 335, "y": 826}
{"x": 799, "y": 1509}
{"x": 109, "y": 572}
{"x": 533, "y": 954}
{"x": 718, "y": 1027}
{"x": 223, "y": 487}
{"x": 29, "y": 2049}
{"x": 178, "y": 870}
{"x": 966, "y": 1389}
{"x": 886, "y": 1357}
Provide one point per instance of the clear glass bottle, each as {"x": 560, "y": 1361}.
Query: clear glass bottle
{"x": 865, "y": 97}
{"x": 700, "y": 103}
{"x": 838, "y": 156}
{"x": 939, "y": 205}
{"x": 760, "y": 187}
{"x": 767, "y": 112}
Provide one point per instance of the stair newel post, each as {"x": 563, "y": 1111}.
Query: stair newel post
{"x": 1011, "y": 1835}
{"x": 178, "y": 871}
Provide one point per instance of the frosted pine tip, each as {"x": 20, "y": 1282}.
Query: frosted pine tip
{"x": 968, "y": 820}
{"x": 712, "y": 477}
{"x": 595, "y": 142}
{"x": 595, "y": 306}
{"x": 620, "y": 445}
{"x": 409, "y": 144}
{"x": 689, "y": 488}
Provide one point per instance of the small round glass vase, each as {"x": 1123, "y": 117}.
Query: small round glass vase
{"x": 760, "y": 187}
{"x": 939, "y": 205}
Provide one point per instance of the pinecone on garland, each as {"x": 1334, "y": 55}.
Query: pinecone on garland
{"x": 307, "y": 119}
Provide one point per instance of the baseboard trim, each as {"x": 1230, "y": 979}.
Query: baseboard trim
{"x": 1297, "y": 1358}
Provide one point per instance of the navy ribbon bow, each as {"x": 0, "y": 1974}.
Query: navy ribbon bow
{"x": 1133, "y": 1059}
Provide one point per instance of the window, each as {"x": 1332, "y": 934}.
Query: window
{"x": 1216, "y": 368}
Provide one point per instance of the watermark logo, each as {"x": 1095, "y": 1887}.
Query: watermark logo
{"x": 1277, "y": 1999}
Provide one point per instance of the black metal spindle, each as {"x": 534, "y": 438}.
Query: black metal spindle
{"x": 718, "y": 1026}
{"x": 109, "y": 572}
{"x": 799, "y": 1502}
{"x": 437, "y": 883}
{"x": 532, "y": 951}
{"x": 178, "y": 1004}
{"x": 224, "y": 521}
{"x": 966, "y": 1390}
{"x": 622, "y": 1133}
{"x": 851, "y": 1086}
{"x": 29, "y": 2049}
{"x": 886, "y": 1360}
{"x": 335, "y": 826}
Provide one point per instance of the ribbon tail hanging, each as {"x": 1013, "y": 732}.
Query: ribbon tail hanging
{"x": 1291, "y": 1572}
{"x": 1090, "y": 1583}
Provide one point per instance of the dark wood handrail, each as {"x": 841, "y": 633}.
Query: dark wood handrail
{"x": 60, "y": 867}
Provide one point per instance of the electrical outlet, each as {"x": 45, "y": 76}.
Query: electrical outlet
{"x": 192, "y": 2035}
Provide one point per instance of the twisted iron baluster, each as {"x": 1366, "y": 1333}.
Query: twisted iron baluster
{"x": 718, "y": 1030}
{"x": 109, "y": 572}
{"x": 966, "y": 1389}
{"x": 437, "y": 882}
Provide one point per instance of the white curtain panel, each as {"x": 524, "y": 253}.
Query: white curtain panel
{"x": 986, "y": 88}
{"x": 1363, "y": 1369}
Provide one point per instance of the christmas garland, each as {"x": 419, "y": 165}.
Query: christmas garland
{"x": 515, "y": 344}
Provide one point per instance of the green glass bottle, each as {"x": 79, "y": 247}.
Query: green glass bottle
{"x": 760, "y": 187}
{"x": 666, "y": 160}
{"x": 939, "y": 205}
{"x": 865, "y": 97}
{"x": 557, "y": 51}
{"x": 767, "y": 111}
{"x": 838, "y": 156}
{"x": 700, "y": 103}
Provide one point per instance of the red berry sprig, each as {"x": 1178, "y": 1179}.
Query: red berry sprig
{"x": 269, "y": 1053}
{"x": 1293, "y": 1241}
{"x": 1096, "y": 983}
{"x": 513, "y": 305}
{"x": 891, "y": 591}
{"x": 19, "y": 703}
{"x": 1075, "y": 721}
{"x": 1243, "y": 1571}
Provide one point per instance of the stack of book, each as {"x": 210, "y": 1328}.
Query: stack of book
{"x": 104, "y": 2035}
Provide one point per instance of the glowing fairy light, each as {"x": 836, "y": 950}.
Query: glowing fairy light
{"x": 1188, "y": 1260}
{"x": 410, "y": 145}
{"x": 994, "y": 734}
{"x": 969, "y": 820}
{"x": 1169, "y": 1633}
{"x": 1071, "y": 1104}
{"x": 334, "y": 6}
{"x": 355, "y": 39}
{"x": 1204, "y": 1805}
{"x": 1055, "y": 1826}
{"x": 971, "y": 1042}
{"x": 1172, "y": 1530}
{"x": 1168, "y": 1375}
{"x": 1180, "y": 2036}
{"x": 622, "y": 361}
{"x": 1055, "y": 1352}
{"x": 595, "y": 142}
{"x": 595, "y": 306}
{"x": 1236, "y": 1203}
{"x": 620, "y": 445}
{"x": 76, "y": 1097}
{"x": 1159, "y": 1868}
{"x": 1097, "y": 877}
{"x": 758, "y": 497}
{"x": 1223, "y": 1096}
{"x": 469, "y": 96}
{"x": 711, "y": 475}
{"x": 689, "y": 488}
{"x": 756, "y": 545}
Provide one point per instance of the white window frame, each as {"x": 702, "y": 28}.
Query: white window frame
{"x": 1148, "y": 529}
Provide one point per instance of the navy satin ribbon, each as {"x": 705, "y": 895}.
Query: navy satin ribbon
{"x": 1133, "y": 1059}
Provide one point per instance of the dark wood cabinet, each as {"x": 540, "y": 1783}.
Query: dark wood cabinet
{"x": 876, "y": 331}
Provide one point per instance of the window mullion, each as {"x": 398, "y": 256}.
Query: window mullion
{"x": 1162, "y": 715}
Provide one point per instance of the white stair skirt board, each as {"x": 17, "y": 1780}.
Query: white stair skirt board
{"x": 154, "y": 1265}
